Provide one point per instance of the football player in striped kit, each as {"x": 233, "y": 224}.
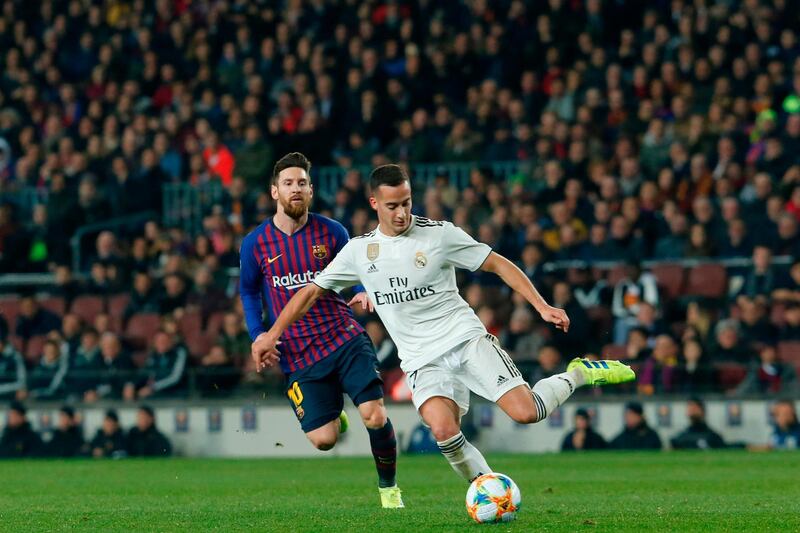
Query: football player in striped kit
{"x": 326, "y": 353}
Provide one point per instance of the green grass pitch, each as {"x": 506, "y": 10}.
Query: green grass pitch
{"x": 723, "y": 491}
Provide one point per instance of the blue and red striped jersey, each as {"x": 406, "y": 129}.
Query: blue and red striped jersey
{"x": 274, "y": 266}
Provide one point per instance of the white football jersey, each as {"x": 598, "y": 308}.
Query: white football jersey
{"x": 411, "y": 280}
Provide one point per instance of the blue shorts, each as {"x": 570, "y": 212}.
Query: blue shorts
{"x": 315, "y": 392}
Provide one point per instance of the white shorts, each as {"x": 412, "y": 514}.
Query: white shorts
{"x": 478, "y": 365}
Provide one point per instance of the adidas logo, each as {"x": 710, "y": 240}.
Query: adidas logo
{"x": 501, "y": 380}
{"x": 372, "y": 268}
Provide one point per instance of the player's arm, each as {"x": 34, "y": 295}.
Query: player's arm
{"x": 517, "y": 280}
{"x": 250, "y": 289}
{"x": 264, "y": 350}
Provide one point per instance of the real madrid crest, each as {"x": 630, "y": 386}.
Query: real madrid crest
{"x": 373, "y": 249}
{"x": 420, "y": 260}
{"x": 320, "y": 251}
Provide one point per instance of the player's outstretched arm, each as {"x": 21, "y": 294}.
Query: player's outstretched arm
{"x": 517, "y": 280}
{"x": 264, "y": 349}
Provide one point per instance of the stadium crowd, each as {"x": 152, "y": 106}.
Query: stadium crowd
{"x": 66, "y": 439}
{"x": 647, "y": 131}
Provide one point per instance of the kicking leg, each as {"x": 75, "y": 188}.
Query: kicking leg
{"x": 442, "y": 415}
{"x": 530, "y": 405}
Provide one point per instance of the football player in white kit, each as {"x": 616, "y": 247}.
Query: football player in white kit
{"x": 407, "y": 266}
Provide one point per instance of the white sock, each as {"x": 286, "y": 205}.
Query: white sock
{"x": 551, "y": 392}
{"x": 465, "y": 458}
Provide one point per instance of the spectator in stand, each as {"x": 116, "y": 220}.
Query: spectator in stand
{"x": 109, "y": 441}
{"x": 769, "y": 376}
{"x": 636, "y": 435}
{"x": 583, "y": 437}
{"x": 761, "y": 279}
{"x": 143, "y": 297}
{"x": 116, "y": 376}
{"x": 67, "y": 439}
{"x": 694, "y": 373}
{"x": 698, "y": 436}
{"x": 13, "y": 374}
{"x": 520, "y": 339}
{"x": 728, "y": 347}
{"x": 174, "y": 294}
{"x": 755, "y": 326}
{"x": 659, "y": 372}
{"x": 19, "y": 439}
{"x": 548, "y": 363}
{"x": 84, "y": 364}
{"x": 46, "y": 379}
{"x": 34, "y": 320}
{"x": 219, "y": 372}
{"x": 574, "y": 340}
{"x": 637, "y": 349}
{"x": 786, "y": 435}
{"x": 144, "y": 440}
{"x": 234, "y": 339}
{"x": 165, "y": 367}
{"x": 204, "y": 296}
{"x": 637, "y": 287}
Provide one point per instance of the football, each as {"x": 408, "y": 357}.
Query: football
{"x": 492, "y": 498}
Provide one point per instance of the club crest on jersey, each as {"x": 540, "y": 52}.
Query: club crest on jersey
{"x": 320, "y": 251}
{"x": 420, "y": 260}
{"x": 373, "y": 249}
{"x": 300, "y": 412}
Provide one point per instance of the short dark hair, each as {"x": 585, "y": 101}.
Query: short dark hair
{"x": 147, "y": 409}
{"x": 290, "y": 160}
{"x": 391, "y": 175}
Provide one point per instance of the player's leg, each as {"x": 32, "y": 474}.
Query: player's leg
{"x": 317, "y": 405}
{"x": 441, "y": 400}
{"x": 359, "y": 378}
{"x": 525, "y": 404}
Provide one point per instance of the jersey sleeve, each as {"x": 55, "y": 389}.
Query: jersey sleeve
{"x": 341, "y": 239}
{"x": 250, "y": 283}
{"x": 340, "y": 273}
{"x": 461, "y": 250}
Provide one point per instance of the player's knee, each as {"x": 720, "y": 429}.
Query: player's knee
{"x": 443, "y": 431}
{"x": 524, "y": 416}
{"x": 323, "y": 440}
{"x": 375, "y": 419}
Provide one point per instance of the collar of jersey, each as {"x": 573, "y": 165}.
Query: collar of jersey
{"x": 279, "y": 230}
{"x": 384, "y": 236}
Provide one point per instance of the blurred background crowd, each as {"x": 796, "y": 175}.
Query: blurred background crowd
{"x": 640, "y": 161}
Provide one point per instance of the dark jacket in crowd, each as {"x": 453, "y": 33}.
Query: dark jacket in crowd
{"x": 697, "y": 436}
{"x": 21, "y": 441}
{"x": 593, "y": 441}
{"x": 166, "y": 371}
{"x": 41, "y": 323}
{"x": 111, "y": 445}
{"x": 149, "y": 443}
{"x": 65, "y": 443}
{"x": 642, "y": 437}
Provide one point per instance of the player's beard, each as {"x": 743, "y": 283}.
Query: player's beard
{"x": 295, "y": 210}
